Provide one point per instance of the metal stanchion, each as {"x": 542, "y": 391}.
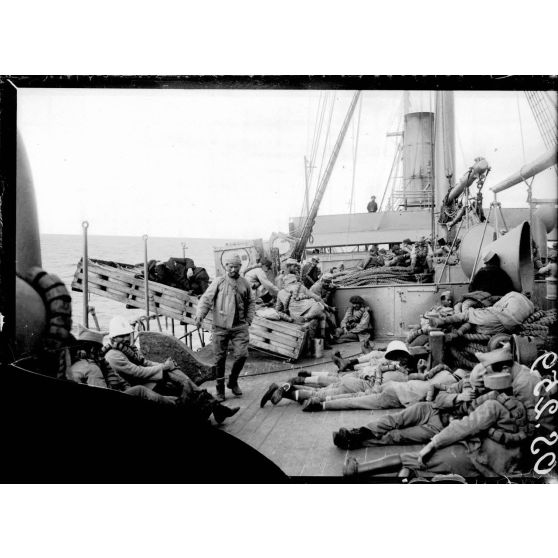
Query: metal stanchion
{"x": 84, "y": 226}
{"x": 94, "y": 314}
{"x": 152, "y": 299}
{"x": 146, "y": 279}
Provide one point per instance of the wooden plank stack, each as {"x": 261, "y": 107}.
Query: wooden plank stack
{"x": 125, "y": 284}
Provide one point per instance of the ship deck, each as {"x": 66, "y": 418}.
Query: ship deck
{"x": 299, "y": 443}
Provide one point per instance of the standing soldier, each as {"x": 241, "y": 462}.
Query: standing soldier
{"x": 372, "y": 206}
{"x": 233, "y": 306}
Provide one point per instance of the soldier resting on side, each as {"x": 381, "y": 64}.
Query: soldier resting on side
{"x": 485, "y": 443}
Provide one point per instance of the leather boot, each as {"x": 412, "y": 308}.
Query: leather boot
{"x": 220, "y": 389}
{"x": 365, "y": 347}
{"x": 268, "y": 394}
{"x": 221, "y": 412}
{"x": 286, "y": 390}
{"x": 342, "y": 363}
{"x": 232, "y": 384}
{"x": 387, "y": 464}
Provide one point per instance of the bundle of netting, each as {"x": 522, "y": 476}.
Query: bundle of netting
{"x": 375, "y": 276}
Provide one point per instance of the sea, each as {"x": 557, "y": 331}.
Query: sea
{"x": 62, "y": 252}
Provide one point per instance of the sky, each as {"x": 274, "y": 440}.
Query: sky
{"x": 230, "y": 163}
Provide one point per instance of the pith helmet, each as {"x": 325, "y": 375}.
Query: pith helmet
{"x": 499, "y": 355}
{"x": 119, "y": 326}
{"x": 396, "y": 350}
{"x": 91, "y": 335}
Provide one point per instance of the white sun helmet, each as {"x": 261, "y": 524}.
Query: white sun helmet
{"x": 396, "y": 350}
{"x": 119, "y": 326}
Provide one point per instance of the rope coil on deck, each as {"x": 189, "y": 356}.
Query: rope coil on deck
{"x": 375, "y": 276}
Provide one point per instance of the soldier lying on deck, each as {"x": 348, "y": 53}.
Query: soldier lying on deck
{"x": 376, "y": 367}
{"x": 390, "y": 395}
{"x": 419, "y": 422}
{"x": 180, "y": 273}
{"x": 361, "y": 390}
{"x": 506, "y": 314}
{"x": 487, "y": 442}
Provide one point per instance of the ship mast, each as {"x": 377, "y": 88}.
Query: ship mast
{"x": 444, "y": 149}
{"x": 300, "y": 245}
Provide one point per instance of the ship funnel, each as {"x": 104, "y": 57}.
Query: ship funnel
{"x": 513, "y": 249}
{"x": 547, "y": 214}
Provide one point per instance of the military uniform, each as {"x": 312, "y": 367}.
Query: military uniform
{"x": 486, "y": 443}
{"x": 233, "y": 306}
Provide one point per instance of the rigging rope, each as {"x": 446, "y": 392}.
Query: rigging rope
{"x": 326, "y": 139}
{"x": 317, "y": 135}
{"x": 314, "y": 148}
{"x": 520, "y": 127}
{"x": 355, "y": 153}
{"x": 318, "y": 124}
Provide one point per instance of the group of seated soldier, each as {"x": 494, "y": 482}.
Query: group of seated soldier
{"x": 417, "y": 256}
{"x": 113, "y": 362}
{"x": 313, "y": 306}
{"x": 300, "y": 296}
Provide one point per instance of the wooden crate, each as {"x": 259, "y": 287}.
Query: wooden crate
{"x": 277, "y": 337}
{"x": 121, "y": 284}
